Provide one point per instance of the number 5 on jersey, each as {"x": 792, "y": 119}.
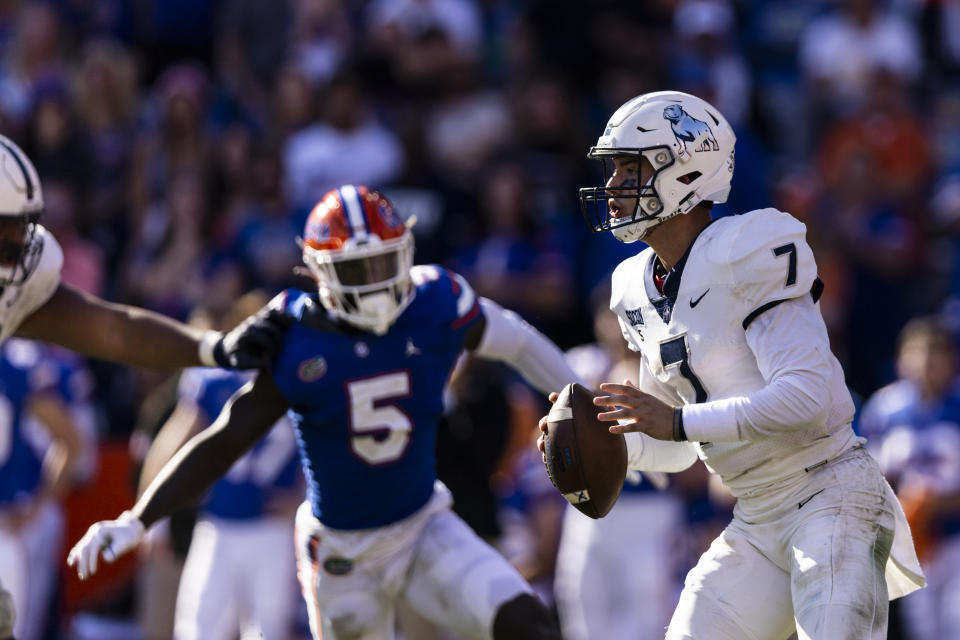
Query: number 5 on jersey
{"x": 379, "y": 429}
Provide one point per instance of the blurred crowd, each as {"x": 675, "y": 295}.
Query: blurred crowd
{"x": 182, "y": 143}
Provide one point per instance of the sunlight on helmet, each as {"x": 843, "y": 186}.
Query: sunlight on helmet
{"x": 360, "y": 253}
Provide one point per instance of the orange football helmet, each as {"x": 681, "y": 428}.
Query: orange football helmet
{"x": 360, "y": 252}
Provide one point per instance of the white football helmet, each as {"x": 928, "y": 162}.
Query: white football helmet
{"x": 21, "y": 202}
{"x": 688, "y": 143}
{"x": 360, "y": 252}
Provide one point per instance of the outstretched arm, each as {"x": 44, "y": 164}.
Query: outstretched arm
{"x": 186, "y": 477}
{"x": 131, "y": 335}
{"x": 505, "y": 336}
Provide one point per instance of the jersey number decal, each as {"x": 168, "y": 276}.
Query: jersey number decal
{"x": 379, "y": 430}
{"x": 675, "y": 352}
{"x": 791, "y": 251}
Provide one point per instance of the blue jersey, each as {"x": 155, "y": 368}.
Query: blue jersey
{"x": 366, "y": 406}
{"x": 271, "y": 464}
{"x": 24, "y": 370}
{"x": 910, "y": 435}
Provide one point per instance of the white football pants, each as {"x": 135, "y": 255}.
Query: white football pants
{"x": 351, "y": 579}
{"x": 29, "y": 566}
{"x": 807, "y": 556}
{"x": 239, "y": 577}
{"x": 9, "y": 560}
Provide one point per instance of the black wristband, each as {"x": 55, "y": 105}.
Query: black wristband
{"x": 679, "y": 435}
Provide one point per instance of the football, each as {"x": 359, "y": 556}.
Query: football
{"x": 585, "y": 462}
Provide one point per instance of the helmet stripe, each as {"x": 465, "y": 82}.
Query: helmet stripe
{"x": 26, "y": 174}
{"x": 354, "y": 208}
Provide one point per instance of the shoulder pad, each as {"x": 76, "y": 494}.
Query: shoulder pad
{"x": 767, "y": 255}
{"x": 626, "y": 274}
{"x": 39, "y": 286}
{"x": 450, "y": 295}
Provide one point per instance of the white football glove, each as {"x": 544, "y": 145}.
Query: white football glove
{"x": 112, "y": 538}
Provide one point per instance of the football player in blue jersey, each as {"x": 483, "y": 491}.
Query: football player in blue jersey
{"x": 40, "y": 446}
{"x": 362, "y": 372}
{"x": 35, "y": 304}
{"x": 913, "y": 430}
{"x": 224, "y": 588}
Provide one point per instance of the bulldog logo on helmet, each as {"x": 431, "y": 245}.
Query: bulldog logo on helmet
{"x": 686, "y": 128}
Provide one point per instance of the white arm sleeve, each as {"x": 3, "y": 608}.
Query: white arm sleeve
{"x": 793, "y": 354}
{"x": 649, "y": 454}
{"x": 510, "y": 339}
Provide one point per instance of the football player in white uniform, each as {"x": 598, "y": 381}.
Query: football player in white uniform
{"x": 737, "y": 369}
{"x": 35, "y": 304}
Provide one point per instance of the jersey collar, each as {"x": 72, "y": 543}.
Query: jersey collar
{"x": 671, "y": 283}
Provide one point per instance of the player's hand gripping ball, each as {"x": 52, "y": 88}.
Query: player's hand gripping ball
{"x": 585, "y": 462}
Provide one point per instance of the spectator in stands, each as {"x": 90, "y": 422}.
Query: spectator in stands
{"x": 347, "y": 145}
{"x": 840, "y": 52}
{"x": 106, "y": 98}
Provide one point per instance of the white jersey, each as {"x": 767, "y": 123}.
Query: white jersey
{"x": 696, "y": 349}
{"x": 18, "y": 302}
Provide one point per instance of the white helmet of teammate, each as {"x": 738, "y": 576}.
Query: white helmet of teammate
{"x": 688, "y": 143}
{"x": 21, "y": 202}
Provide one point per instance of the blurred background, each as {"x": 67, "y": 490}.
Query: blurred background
{"x": 181, "y": 144}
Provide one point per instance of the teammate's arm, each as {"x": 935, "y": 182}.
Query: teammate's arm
{"x": 247, "y": 417}
{"x": 122, "y": 333}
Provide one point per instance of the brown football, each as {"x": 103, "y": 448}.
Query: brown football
{"x": 585, "y": 462}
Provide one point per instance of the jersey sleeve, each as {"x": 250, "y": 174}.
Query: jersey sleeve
{"x": 624, "y": 276}
{"x": 453, "y": 300}
{"x": 39, "y": 286}
{"x": 769, "y": 261}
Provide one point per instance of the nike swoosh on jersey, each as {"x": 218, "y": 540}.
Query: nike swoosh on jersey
{"x": 694, "y": 303}
{"x": 808, "y": 499}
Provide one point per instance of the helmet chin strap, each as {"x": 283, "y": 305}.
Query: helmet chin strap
{"x": 638, "y": 230}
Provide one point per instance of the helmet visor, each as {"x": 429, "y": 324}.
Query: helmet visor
{"x": 368, "y": 270}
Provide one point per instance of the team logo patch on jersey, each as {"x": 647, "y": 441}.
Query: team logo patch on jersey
{"x": 634, "y": 316}
{"x": 312, "y": 369}
{"x": 411, "y": 349}
{"x": 337, "y": 566}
